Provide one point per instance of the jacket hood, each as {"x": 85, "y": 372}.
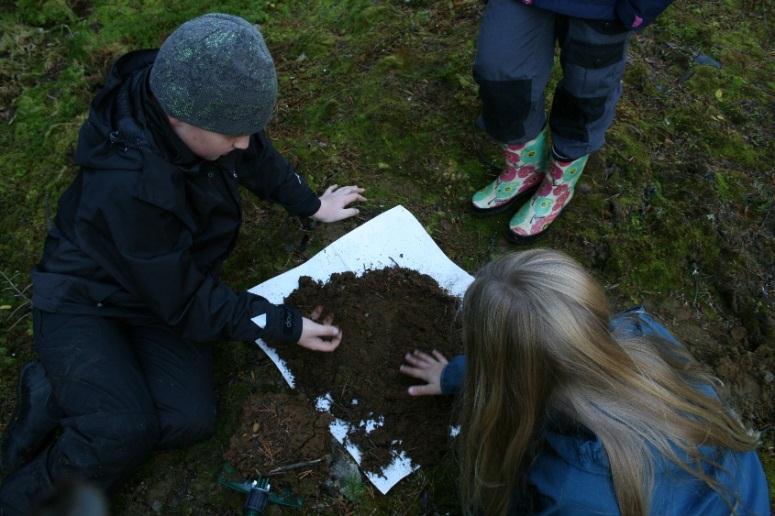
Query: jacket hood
{"x": 126, "y": 123}
{"x": 117, "y": 118}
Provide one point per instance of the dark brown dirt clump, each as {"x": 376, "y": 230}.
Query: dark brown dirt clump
{"x": 383, "y": 315}
{"x": 283, "y": 437}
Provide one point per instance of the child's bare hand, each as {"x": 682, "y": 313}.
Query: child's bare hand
{"x": 317, "y": 336}
{"x": 426, "y": 368}
{"x": 335, "y": 201}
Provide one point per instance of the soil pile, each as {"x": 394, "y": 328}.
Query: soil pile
{"x": 383, "y": 315}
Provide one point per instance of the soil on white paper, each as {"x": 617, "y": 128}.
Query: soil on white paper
{"x": 383, "y": 315}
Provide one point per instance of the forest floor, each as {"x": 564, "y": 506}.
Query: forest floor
{"x": 675, "y": 213}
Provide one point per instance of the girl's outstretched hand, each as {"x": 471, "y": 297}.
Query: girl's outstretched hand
{"x": 317, "y": 336}
{"x": 426, "y": 368}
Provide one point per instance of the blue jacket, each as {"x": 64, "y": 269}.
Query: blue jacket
{"x": 634, "y": 14}
{"x": 571, "y": 476}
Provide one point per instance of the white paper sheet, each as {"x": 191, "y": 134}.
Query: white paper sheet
{"x": 392, "y": 238}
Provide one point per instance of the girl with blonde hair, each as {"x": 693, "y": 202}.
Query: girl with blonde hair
{"x": 568, "y": 410}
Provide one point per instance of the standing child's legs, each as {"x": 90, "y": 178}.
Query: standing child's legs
{"x": 514, "y": 58}
{"x": 593, "y": 59}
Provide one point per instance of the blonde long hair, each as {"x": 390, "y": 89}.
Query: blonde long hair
{"x": 535, "y": 328}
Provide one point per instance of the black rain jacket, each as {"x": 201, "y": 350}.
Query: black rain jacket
{"x": 144, "y": 228}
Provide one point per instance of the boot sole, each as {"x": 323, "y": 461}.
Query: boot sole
{"x": 485, "y": 212}
{"x": 524, "y": 240}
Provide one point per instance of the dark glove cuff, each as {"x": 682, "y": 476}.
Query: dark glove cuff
{"x": 284, "y": 324}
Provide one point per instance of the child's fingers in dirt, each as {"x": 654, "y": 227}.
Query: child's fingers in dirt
{"x": 441, "y": 358}
{"x": 316, "y": 312}
{"x": 414, "y": 372}
{"x": 424, "y": 390}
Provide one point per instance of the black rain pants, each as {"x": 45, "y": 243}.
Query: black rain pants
{"x": 124, "y": 390}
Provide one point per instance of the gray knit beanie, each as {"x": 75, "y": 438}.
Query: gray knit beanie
{"x": 216, "y": 73}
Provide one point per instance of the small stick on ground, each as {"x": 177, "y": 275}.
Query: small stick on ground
{"x": 289, "y": 467}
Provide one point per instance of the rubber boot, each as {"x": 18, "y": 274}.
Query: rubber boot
{"x": 524, "y": 167}
{"x": 555, "y": 192}
{"x": 37, "y": 414}
{"x": 25, "y": 488}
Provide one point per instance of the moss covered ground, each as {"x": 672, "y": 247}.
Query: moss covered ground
{"x": 676, "y": 212}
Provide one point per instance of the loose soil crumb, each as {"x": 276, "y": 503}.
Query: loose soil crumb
{"x": 383, "y": 315}
{"x": 278, "y": 430}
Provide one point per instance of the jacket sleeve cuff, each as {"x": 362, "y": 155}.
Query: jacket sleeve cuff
{"x": 631, "y": 18}
{"x": 275, "y": 323}
{"x": 299, "y": 199}
{"x": 637, "y": 14}
{"x": 453, "y": 374}
{"x": 310, "y": 206}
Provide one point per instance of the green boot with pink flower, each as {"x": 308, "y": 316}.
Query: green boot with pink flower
{"x": 524, "y": 168}
{"x": 554, "y": 193}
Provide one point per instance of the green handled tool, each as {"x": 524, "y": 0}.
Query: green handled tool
{"x": 258, "y": 492}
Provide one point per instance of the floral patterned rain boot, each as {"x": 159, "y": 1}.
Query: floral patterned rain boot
{"x": 552, "y": 196}
{"x": 525, "y": 165}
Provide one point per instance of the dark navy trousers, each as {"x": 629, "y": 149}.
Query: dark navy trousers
{"x": 124, "y": 390}
{"x": 515, "y": 55}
